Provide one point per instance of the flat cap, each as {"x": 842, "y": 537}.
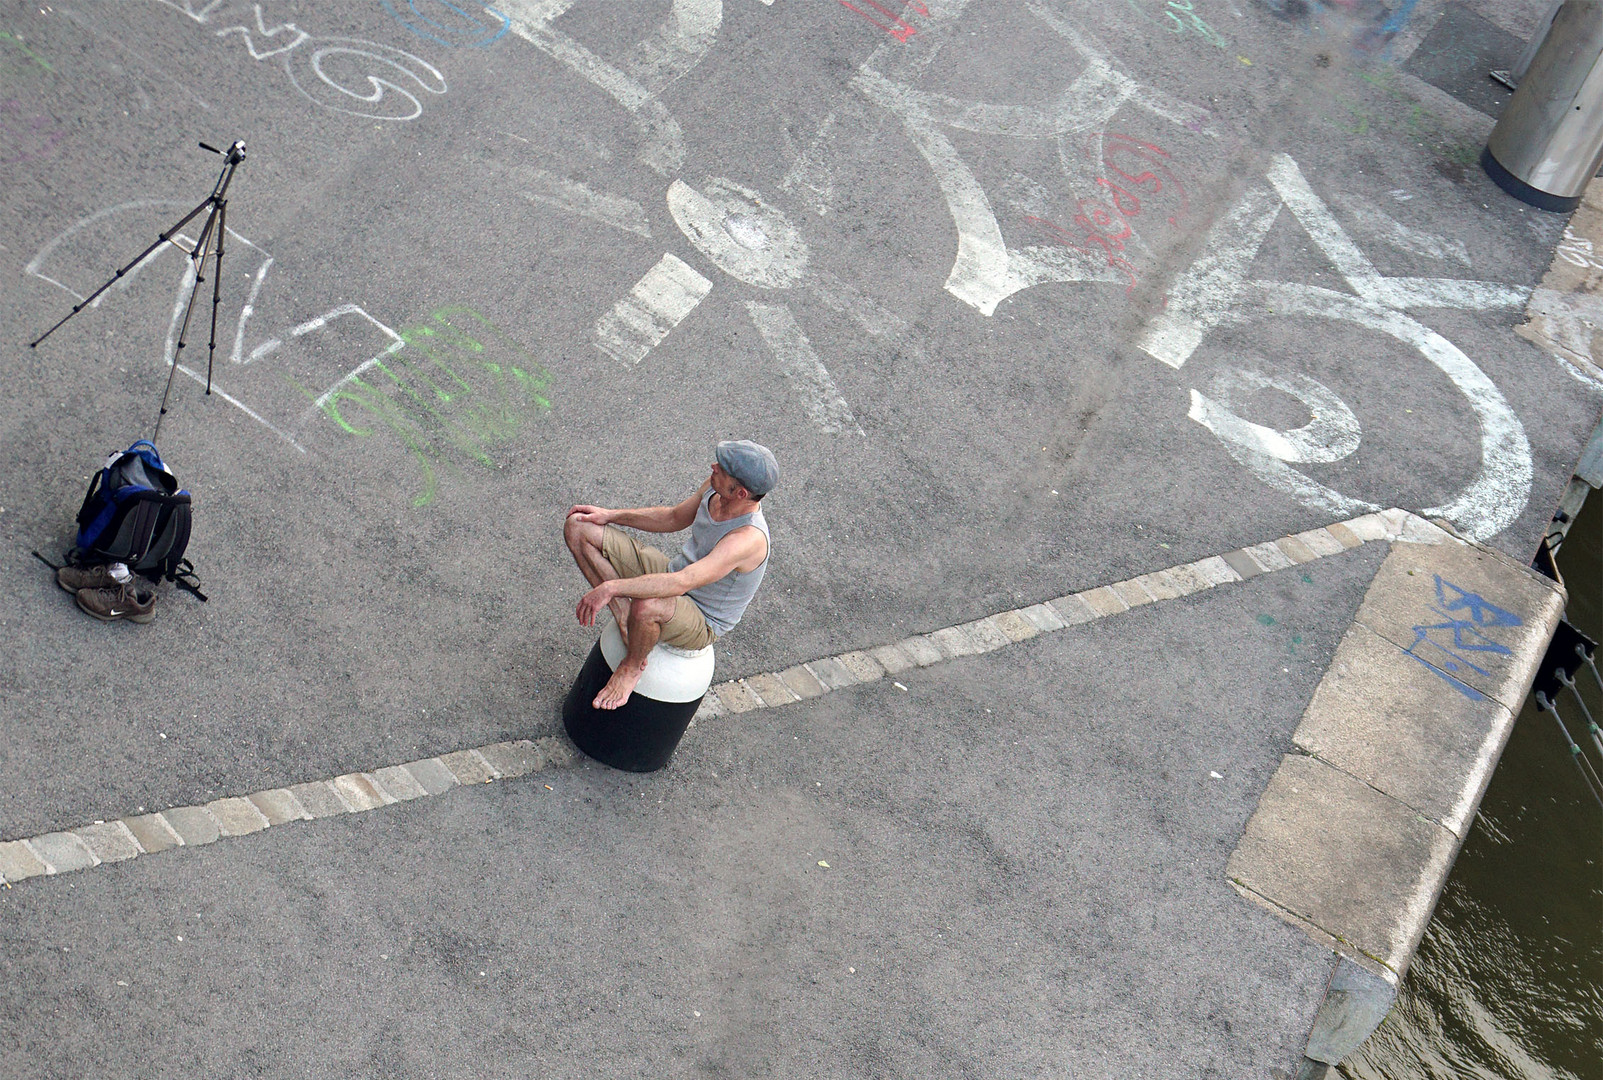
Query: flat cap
{"x": 751, "y": 464}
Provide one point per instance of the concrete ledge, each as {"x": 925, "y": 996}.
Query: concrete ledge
{"x": 400, "y": 783}
{"x": 63, "y": 852}
{"x": 1473, "y": 616}
{"x": 1353, "y": 842}
{"x": 18, "y": 862}
{"x": 1389, "y": 721}
{"x": 771, "y": 689}
{"x": 1357, "y": 864}
{"x": 193, "y": 824}
{"x": 237, "y": 817}
{"x": 110, "y": 841}
{"x": 152, "y": 832}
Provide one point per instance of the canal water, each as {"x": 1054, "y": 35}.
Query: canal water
{"x": 1508, "y": 982}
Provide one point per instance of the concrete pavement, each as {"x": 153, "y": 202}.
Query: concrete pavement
{"x": 976, "y": 875}
{"x": 1031, "y": 299}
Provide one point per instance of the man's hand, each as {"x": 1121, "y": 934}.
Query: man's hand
{"x": 594, "y": 515}
{"x": 593, "y": 601}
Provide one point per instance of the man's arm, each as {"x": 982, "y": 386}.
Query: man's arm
{"x": 746, "y": 546}
{"x": 657, "y": 519}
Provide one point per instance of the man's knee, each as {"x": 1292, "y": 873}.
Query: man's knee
{"x": 579, "y": 533}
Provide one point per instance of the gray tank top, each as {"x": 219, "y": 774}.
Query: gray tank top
{"x": 723, "y": 601}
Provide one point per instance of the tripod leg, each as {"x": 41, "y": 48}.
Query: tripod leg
{"x": 198, "y": 262}
{"x": 217, "y": 288}
{"x": 160, "y": 240}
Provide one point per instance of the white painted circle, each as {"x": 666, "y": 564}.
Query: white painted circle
{"x": 740, "y": 233}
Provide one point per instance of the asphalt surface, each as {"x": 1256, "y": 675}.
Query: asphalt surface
{"x": 977, "y": 875}
{"x": 349, "y": 624}
{"x": 386, "y": 573}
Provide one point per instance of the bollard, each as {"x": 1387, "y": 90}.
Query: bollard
{"x": 641, "y": 734}
{"x": 1548, "y": 143}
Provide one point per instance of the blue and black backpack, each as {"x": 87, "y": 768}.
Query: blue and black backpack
{"x": 135, "y": 513}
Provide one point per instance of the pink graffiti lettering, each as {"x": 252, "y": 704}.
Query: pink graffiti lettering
{"x": 899, "y": 28}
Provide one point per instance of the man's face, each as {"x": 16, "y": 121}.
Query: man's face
{"x": 724, "y": 484}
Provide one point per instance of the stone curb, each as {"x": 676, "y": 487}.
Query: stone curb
{"x": 1354, "y": 836}
{"x": 357, "y": 792}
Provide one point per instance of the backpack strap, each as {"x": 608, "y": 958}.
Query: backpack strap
{"x": 175, "y": 560}
{"x": 96, "y": 483}
{"x": 183, "y": 577}
{"x": 141, "y": 521}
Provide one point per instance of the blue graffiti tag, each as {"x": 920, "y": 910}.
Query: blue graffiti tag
{"x": 458, "y": 26}
{"x": 1466, "y": 615}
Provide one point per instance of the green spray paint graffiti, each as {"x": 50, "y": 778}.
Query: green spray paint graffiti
{"x": 454, "y": 386}
{"x": 16, "y": 42}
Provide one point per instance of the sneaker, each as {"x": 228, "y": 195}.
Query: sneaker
{"x": 127, "y": 601}
{"x": 73, "y": 578}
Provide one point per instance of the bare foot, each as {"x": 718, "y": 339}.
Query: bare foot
{"x": 619, "y": 687}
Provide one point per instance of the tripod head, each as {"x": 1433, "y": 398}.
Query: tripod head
{"x": 210, "y": 244}
{"x": 232, "y": 156}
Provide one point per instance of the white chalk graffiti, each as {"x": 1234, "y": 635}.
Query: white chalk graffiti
{"x": 53, "y": 262}
{"x": 671, "y": 50}
{"x": 1215, "y": 291}
{"x": 659, "y": 301}
{"x": 986, "y": 270}
{"x": 740, "y": 233}
{"x": 801, "y": 365}
{"x": 1388, "y": 230}
{"x": 731, "y": 225}
{"x": 577, "y": 198}
{"x": 382, "y": 88}
{"x": 1330, "y": 435}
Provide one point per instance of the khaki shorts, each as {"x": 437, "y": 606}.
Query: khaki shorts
{"x": 688, "y": 628}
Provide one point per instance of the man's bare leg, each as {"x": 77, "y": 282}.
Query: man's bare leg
{"x": 646, "y": 619}
{"x": 584, "y": 541}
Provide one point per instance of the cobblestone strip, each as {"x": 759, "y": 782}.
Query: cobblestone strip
{"x": 769, "y": 690}
{"x": 191, "y": 826}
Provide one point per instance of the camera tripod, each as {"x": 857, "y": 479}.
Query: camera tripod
{"x": 211, "y": 233}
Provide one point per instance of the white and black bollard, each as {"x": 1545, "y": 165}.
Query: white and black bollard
{"x": 641, "y": 734}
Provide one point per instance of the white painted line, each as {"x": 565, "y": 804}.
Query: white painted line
{"x": 801, "y": 365}
{"x": 395, "y": 345}
{"x": 1331, "y": 435}
{"x": 244, "y": 317}
{"x": 242, "y": 407}
{"x": 32, "y": 269}
{"x": 351, "y": 376}
{"x": 576, "y": 198}
{"x": 1210, "y": 292}
{"x": 1397, "y": 293}
{"x": 1391, "y": 231}
{"x": 1204, "y": 294}
{"x": 658, "y": 302}
{"x": 677, "y": 45}
{"x": 1499, "y": 492}
{"x": 874, "y": 317}
{"x": 986, "y": 270}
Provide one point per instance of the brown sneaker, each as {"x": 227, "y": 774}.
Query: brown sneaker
{"x": 115, "y": 602}
{"x": 73, "y": 578}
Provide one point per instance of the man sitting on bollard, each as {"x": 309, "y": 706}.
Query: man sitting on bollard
{"x": 701, "y": 593}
